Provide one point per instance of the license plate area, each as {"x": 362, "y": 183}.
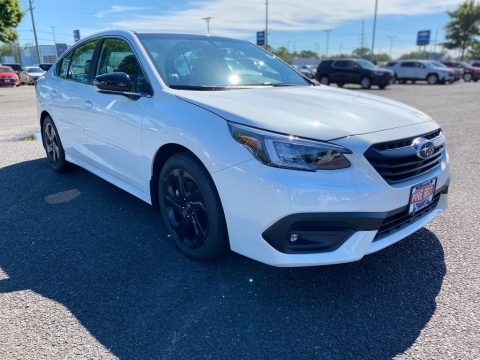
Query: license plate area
{"x": 421, "y": 195}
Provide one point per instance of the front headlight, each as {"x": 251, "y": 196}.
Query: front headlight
{"x": 290, "y": 152}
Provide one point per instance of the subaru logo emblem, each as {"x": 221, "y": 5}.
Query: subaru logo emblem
{"x": 423, "y": 147}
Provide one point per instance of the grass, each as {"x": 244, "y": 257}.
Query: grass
{"x": 29, "y": 138}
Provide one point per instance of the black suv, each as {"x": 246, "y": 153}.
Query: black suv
{"x": 353, "y": 71}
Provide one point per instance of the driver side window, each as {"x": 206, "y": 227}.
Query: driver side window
{"x": 117, "y": 56}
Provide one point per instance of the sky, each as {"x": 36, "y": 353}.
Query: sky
{"x": 298, "y": 24}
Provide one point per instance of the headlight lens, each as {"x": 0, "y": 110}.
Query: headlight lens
{"x": 290, "y": 152}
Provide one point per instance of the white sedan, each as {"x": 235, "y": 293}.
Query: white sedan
{"x": 30, "y": 74}
{"x": 238, "y": 151}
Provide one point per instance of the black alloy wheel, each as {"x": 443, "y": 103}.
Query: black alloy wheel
{"x": 53, "y": 146}
{"x": 190, "y": 208}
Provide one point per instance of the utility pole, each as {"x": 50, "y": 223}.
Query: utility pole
{"x": 34, "y": 30}
{"x": 374, "y": 27}
{"x": 391, "y": 37}
{"x": 207, "y": 20}
{"x": 362, "y": 39}
{"x": 266, "y": 24}
{"x": 54, "y": 41}
{"x": 327, "y": 32}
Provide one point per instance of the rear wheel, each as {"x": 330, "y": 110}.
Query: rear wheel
{"x": 191, "y": 209}
{"x": 53, "y": 146}
{"x": 366, "y": 82}
{"x": 467, "y": 77}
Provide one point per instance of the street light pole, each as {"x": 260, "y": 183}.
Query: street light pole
{"x": 327, "y": 31}
{"x": 55, "y": 42}
{"x": 266, "y": 24}
{"x": 34, "y": 30}
{"x": 207, "y": 20}
{"x": 391, "y": 37}
{"x": 374, "y": 27}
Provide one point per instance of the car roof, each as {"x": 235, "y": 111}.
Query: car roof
{"x": 129, "y": 33}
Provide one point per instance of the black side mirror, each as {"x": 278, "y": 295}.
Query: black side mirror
{"x": 116, "y": 81}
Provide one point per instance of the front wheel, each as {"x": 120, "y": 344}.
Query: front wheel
{"x": 366, "y": 83}
{"x": 190, "y": 208}
{"x": 324, "y": 80}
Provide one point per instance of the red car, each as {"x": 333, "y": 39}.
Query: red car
{"x": 8, "y": 77}
{"x": 469, "y": 72}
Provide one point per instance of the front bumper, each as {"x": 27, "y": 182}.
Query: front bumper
{"x": 255, "y": 197}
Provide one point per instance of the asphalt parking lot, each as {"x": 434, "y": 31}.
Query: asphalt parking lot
{"x": 86, "y": 272}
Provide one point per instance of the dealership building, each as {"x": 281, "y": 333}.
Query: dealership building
{"x": 48, "y": 54}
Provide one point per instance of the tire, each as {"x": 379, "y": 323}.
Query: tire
{"x": 340, "y": 85}
{"x": 382, "y": 87}
{"x": 366, "y": 83}
{"x": 190, "y": 208}
{"x": 324, "y": 80}
{"x": 432, "y": 79}
{"x": 53, "y": 146}
{"x": 467, "y": 77}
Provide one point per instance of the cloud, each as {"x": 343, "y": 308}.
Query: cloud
{"x": 242, "y": 18}
{"x": 117, "y": 9}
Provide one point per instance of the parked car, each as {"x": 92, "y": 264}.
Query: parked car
{"x": 8, "y": 77}
{"x": 469, "y": 72}
{"x": 30, "y": 74}
{"x": 458, "y": 72}
{"x": 16, "y": 67}
{"x": 262, "y": 162}
{"x": 305, "y": 70}
{"x": 353, "y": 71}
{"x": 420, "y": 70}
{"x": 476, "y": 64}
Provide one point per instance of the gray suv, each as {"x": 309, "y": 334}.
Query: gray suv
{"x": 420, "y": 70}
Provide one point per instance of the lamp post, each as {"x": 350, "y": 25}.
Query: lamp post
{"x": 327, "y": 32}
{"x": 391, "y": 37}
{"x": 54, "y": 41}
{"x": 207, "y": 20}
{"x": 374, "y": 27}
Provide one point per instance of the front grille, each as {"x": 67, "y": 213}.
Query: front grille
{"x": 402, "y": 218}
{"x": 397, "y": 161}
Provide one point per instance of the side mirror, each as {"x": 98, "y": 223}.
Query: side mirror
{"x": 115, "y": 82}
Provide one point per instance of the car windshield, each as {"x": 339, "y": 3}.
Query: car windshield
{"x": 365, "y": 64}
{"x": 34, "y": 70}
{"x": 438, "y": 64}
{"x": 4, "y": 69}
{"x": 204, "y": 63}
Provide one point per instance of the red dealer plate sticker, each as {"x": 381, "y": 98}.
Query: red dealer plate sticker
{"x": 422, "y": 195}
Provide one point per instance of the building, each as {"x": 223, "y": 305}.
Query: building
{"x": 48, "y": 54}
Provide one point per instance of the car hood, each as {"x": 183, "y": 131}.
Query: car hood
{"x": 316, "y": 112}
{"x": 36, "y": 74}
{"x": 8, "y": 75}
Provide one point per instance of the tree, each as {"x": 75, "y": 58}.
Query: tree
{"x": 463, "y": 27}
{"x": 308, "y": 54}
{"x": 361, "y": 52}
{"x": 283, "y": 53}
{"x": 10, "y": 16}
{"x": 422, "y": 55}
{"x": 474, "y": 52}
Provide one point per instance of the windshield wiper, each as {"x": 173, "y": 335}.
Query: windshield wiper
{"x": 198, "y": 87}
